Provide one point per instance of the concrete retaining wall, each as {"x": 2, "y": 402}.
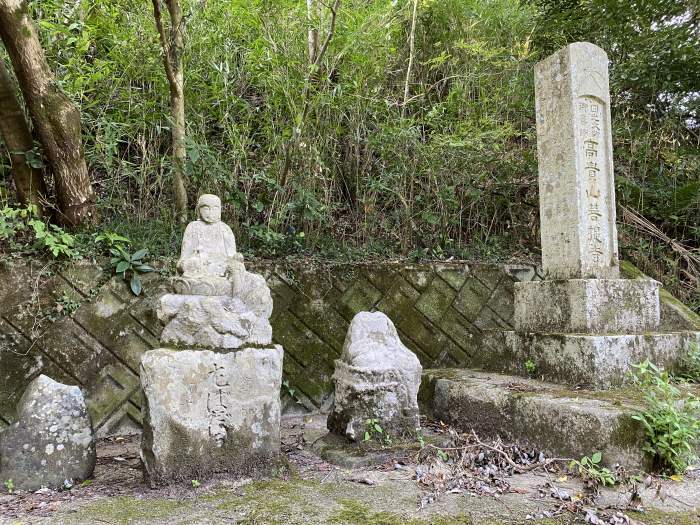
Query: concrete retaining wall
{"x": 78, "y": 326}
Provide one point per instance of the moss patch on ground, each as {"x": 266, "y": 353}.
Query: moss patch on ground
{"x": 126, "y": 509}
{"x": 355, "y": 512}
{"x": 273, "y": 502}
{"x": 657, "y": 517}
{"x": 310, "y": 501}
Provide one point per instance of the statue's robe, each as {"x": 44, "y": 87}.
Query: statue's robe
{"x": 206, "y": 255}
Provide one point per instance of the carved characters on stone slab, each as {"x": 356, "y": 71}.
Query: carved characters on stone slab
{"x": 218, "y": 402}
{"x": 590, "y": 111}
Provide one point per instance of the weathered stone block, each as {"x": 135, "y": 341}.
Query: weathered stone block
{"x": 598, "y": 361}
{"x": 377, "y": 377}
{"x": 454, "y": 275}
{"x": 560, "y": 422}
{"x": 361, "y": 295}
{"x": 471, "y": 299}
{"x": 205, "y": 412}
{"x": 594, "y": 306}
{"x": 52, "y": 443}
{"x": 434, "y": 302}
{"x": 202, "y": 321}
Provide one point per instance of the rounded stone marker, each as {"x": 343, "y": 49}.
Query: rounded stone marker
{"x": 376, "y": 377}
{"x": 52, "y": 443}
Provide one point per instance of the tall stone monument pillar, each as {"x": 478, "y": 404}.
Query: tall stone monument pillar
{"x": 574, "y": 145}
{"x": 582, "y": 292}
{"x": 582, "y": 324}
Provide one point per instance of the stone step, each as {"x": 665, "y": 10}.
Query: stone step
{"x": 599, "y": 361}
{"x": 560, "y": 422}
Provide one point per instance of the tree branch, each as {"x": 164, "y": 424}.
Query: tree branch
{"x": 163, "y": 42}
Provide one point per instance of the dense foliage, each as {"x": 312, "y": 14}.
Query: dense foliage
{"x": 451, "y": 172}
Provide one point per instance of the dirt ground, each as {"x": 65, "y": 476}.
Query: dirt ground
{"x": 403, "y": 488}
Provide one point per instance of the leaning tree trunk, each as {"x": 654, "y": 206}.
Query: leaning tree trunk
{"x": 56, "y": 119}
{"x": 29, "y": 181}
{"x": 172, "y": 59}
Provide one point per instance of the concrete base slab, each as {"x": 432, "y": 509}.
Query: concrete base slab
{"x": 598, "y": 361}
{"x": 588, "y": 306}
{"x": 560, "y": 422}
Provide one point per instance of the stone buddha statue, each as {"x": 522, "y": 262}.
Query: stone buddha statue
{"x": 217, "y": 303}
{"x": 209, "y": 263}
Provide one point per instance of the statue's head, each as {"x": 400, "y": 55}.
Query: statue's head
{"x": 209, "y": 208}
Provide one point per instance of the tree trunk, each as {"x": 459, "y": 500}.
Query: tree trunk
{"x": 312, "y": 37}
{"x": 29, "y": 181}
{"x": 172, "y": 59}
{"x": 56, "y": 120}
{"x": 411, "y": 52}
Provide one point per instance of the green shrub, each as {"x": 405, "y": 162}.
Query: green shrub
{"x": 129, "y": 266}
{"x": 671, "y": 419}
{"x": 689, "y": 366}
{"x": 23, "y": 231}
{"x": 590, "y": 468}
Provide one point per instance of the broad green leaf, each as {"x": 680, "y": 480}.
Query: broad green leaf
{"x": 139, "y": 254}
{"x": 135, "y": 284}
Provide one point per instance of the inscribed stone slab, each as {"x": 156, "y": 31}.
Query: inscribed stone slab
{"x": 574, "y": 146}
{"x": 206, "y": 411}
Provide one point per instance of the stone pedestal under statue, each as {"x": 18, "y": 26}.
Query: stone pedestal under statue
{"x": 212, "y": 393}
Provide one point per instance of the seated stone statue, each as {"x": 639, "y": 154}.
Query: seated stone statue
{"x": 208, "y": 261}
{"x": 217, "y": 303}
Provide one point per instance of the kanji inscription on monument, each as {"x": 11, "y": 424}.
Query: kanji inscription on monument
{"x": 574, "y": 143}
